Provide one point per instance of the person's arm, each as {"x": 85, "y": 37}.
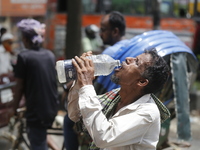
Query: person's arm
{"x": 19, "y": 72}
{"x": 73, "y": 108}
{"x": 18, "y": 92}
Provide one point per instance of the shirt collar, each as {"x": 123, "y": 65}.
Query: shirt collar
{"x": 145, "y": 98}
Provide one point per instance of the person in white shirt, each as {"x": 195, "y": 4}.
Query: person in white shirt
{"x": 127, "y": 118}
{"x": 5, "y": 53}
{"x": 91, "y": 41}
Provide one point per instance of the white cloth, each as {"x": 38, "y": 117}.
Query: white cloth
{"x": 5, "y": 61}
{"x": 7, "y": 36}
{"x": 133, "y": 127}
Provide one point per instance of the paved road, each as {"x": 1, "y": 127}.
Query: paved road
{"x": 6, "y": 139}
{"x": 195, "y": 127}
{"x": 195, "y": 143}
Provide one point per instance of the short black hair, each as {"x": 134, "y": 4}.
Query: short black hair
{"x": 157, "y": 72}
{"x": 2, "y": 31}
{"x": 28, "y": 37}
{"x": 89, "y": 32}
{"x": 116, "y": 19}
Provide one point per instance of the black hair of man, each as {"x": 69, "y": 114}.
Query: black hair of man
{"x": 157, "y": 73}
{"x": 2, "y": 31}
{"x": 89, "y": 32}
{"x": 28, "y": 40}
{"x": 116, "y": 20}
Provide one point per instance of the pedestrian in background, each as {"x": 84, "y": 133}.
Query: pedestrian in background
{"x": 6, "y": 53}
{"x": 2, "y": 32}
{"x": 112, "y": 33}
{"x": 91, "y": 41}
{"x": 36, "y": 79}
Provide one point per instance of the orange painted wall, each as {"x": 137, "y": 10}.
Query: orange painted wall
{"x": 135, "y": 22}
{"x": 7, "y": 8}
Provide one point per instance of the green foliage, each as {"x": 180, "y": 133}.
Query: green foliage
{"x": 129, "y": 6}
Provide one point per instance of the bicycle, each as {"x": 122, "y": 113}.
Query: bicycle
{"x": 17, "y": 134}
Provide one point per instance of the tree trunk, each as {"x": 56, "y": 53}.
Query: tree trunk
{"x": 195, "y": 12}
{"x": 73, "y": 28}
{"x": 156, "y": 14}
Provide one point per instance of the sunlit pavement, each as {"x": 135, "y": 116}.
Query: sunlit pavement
{"x": 195, "y": 128}
{"x": 5, "y": 142}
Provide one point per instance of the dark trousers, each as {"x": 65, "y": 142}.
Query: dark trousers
{"x": 70, "y": 137}
{"x": 37, "y": 138}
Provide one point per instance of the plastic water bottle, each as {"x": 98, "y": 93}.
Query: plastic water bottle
{"x": 103, "y": 65}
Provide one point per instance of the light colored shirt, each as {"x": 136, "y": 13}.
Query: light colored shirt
{"x": 91, "y": 44}
{"x": 5, "y": 61}
{"x": 134, "y": 127}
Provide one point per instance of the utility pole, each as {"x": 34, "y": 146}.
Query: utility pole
{"x": 195, "y": 12}
{"x": 156, "y": 14}
{"x": 73, "y": 29}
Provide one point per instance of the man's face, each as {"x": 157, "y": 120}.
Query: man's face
{"x": 132, "y": 69}
{"x": 7, "y": 45}
{"x": 106, "y": 31}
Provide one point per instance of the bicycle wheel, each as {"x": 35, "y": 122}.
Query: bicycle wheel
{"x": 5, "y": 143}
{"x": 15, "y": 134}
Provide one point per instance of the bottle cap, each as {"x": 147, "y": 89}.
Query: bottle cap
{"x": 61, "y": 71}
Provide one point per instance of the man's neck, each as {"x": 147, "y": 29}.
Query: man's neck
{"x": 129, "y": 95}
{"x": 117, "y": 40}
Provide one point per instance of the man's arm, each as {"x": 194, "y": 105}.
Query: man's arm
{"x": 18, "y": 92}
{"x": 73, "y": 108}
